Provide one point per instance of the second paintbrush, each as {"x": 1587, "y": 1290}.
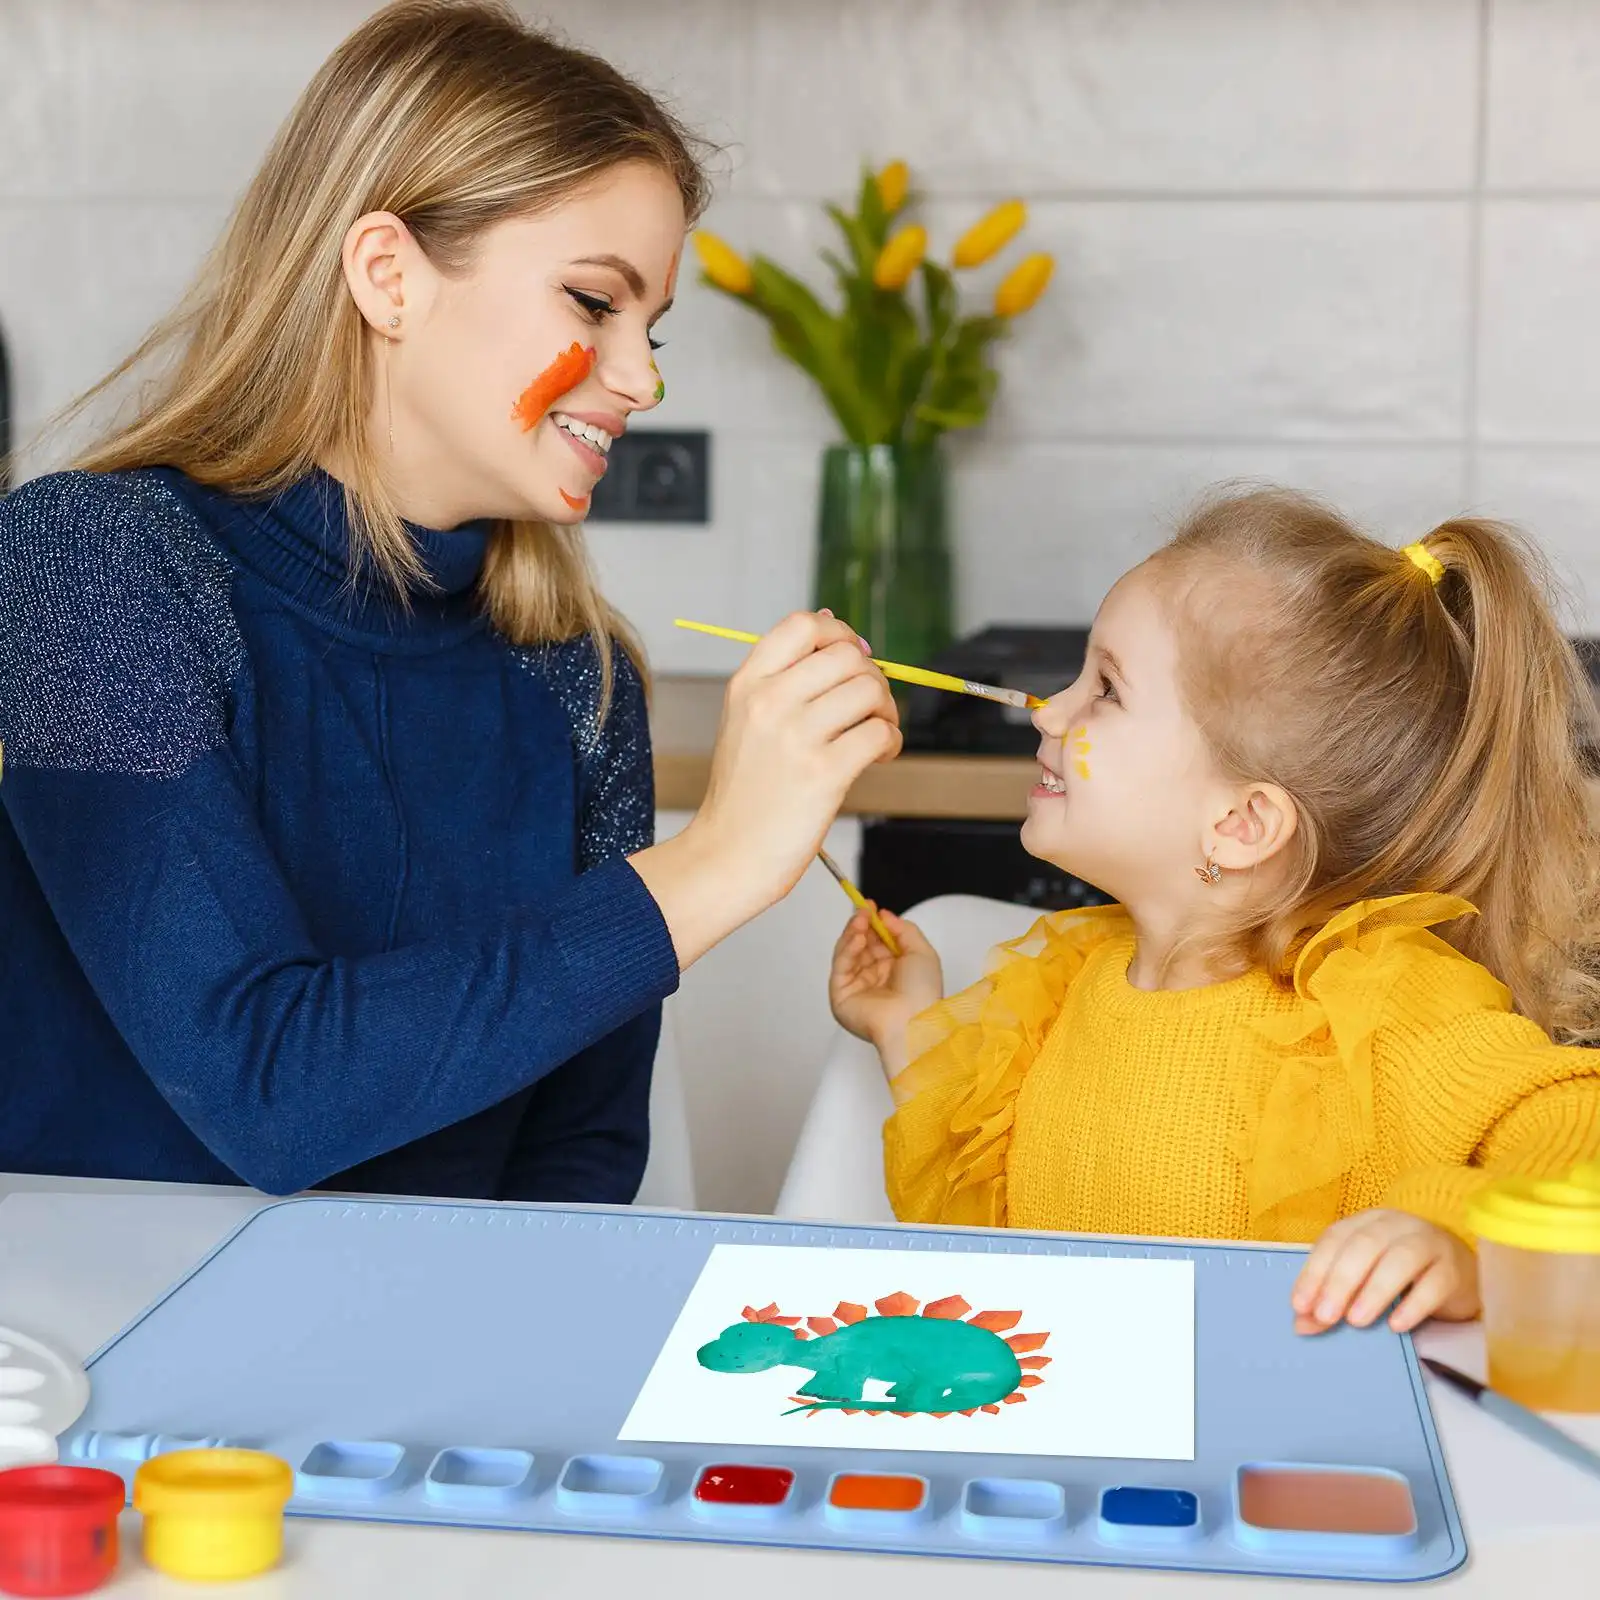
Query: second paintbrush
{"x": 896, "y": 670}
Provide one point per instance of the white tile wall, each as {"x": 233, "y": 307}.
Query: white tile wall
{"x": 1349, "y": 244}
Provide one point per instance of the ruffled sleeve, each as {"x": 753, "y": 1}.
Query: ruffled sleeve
{"x": 1317, "y": 1122}
{"x": 945, "y": 1146}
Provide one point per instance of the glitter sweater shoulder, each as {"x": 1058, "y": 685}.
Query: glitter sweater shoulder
{"x": 302, "y": 883}
{"x": 1389, "y": 1070}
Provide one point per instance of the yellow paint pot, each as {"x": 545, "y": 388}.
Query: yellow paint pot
{"x": 213, "y": 1514}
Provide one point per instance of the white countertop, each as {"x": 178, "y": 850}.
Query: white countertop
{"x": 80, "y": 1259}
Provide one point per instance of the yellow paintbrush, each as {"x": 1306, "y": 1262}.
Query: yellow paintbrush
{"x": 893, "y": 669}
{"x": 859, "y": 901}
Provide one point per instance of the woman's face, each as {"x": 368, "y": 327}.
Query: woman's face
{"x": 509, "y": 382}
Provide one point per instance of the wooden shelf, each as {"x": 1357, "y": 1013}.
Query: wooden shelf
{"x": 683, "y": 723}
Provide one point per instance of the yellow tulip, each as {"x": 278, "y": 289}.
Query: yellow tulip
{"x": 1022, "y": 285}
{"x": 990, "y": 236}
{"x": 893, "y": 182}
{"x": 900, "y": 257}
{"x": 724, "y": 266}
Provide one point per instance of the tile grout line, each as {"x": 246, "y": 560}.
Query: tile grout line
{"x": 1472, "y": 374}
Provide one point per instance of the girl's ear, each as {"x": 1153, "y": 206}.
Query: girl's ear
{"x": 1259, "y": 824}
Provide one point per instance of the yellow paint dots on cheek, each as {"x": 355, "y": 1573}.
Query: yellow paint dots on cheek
{"x": 1079, "y": 738}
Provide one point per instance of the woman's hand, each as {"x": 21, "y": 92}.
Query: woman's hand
{"x": 874, "y": 994}
{"x": 1364, "y": 1263}
{"x": 803, "y": 718}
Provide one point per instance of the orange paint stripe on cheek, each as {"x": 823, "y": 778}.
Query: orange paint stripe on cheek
{"x": 562, "y": 376}
{"x": 672, "y": 273}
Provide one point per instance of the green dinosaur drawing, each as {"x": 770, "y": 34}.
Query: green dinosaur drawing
{"x": 935, "y": 1364}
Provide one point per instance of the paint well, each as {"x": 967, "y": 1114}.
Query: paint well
{"x": 1326, "y": 1500}
{"x": 1133, "y": 1507}
{"x": 736, "y": 1485}
{"x": 875, "y": 1491}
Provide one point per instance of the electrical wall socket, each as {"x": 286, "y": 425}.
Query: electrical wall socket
{"x": 656, "y": 475}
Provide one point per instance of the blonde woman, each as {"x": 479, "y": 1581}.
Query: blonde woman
{"x": 326, "y": 851}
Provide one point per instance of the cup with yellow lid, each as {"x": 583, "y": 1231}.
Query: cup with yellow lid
{"x": 1539, "y": 1271}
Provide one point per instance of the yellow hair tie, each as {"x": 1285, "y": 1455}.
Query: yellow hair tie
{"x": 1429, "y": 563}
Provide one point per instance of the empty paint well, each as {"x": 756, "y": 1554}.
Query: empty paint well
{"x": 609, "y": 1484}
{"x": 1012, "y": 1508}
{"x": 1355, "y": 1510}
{"x": 876, "y": 1501}
{"x": 102, "y": 1446}
{"x": 470, "y": 1477}
{"x": 1133, "y": 1515}
{"x": 341, "y": 1469}
{"x": 743, "y": 1492}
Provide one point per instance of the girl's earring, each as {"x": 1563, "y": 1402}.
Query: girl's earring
{"x": 1209, "y": 874}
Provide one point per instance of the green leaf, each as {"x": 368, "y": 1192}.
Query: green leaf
{"x": 863, "y": 251}
{"x": 874, "y": 221}
{"x": 939, "y": 296}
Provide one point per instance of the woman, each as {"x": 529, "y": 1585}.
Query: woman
{"x": 329, "y": 857}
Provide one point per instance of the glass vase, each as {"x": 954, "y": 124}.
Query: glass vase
{"x": 883, "y": 552}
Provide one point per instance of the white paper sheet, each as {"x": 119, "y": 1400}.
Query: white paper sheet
{"x": 1119, "y": 1381}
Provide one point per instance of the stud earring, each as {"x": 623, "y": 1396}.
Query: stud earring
{"x": 393, "y": 322}
{"x": 1209, "y": 874}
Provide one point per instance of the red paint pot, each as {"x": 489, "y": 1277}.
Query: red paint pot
{"x": 58, "y": 1529}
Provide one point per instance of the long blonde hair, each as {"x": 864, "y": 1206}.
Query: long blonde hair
{"x": 1431, "y": 733}
{"x": 454, "y": 116}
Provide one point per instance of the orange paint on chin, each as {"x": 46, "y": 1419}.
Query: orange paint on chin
{"x": 576, "y": 501}
{"x": 562, "y": 376}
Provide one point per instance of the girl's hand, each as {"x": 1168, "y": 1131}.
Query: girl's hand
{"x": 1364, "y": 1263}
{"x": 875, "y": 995}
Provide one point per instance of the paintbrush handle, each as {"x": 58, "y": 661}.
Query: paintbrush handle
{"x": 1532, "y": 1426}
{"x": 901, "y": 673}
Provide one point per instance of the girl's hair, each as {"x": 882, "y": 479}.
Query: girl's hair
{"x": 454, "y": 116}
{"x": 1430, "y": 726}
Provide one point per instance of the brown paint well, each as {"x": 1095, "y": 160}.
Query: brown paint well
{"x": 1325, "y": 1502}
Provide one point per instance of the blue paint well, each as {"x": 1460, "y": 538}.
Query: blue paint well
{"x": 1149, "y": 1508}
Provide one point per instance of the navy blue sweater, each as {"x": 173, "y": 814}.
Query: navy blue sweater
{"x": 300, "y": 886}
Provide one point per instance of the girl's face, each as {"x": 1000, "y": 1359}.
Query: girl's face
{"x": 1129, "y": 788}
{"x": 509, "y": 382}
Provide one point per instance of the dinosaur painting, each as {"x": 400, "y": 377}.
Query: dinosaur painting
{"x": 939, "y": 1363}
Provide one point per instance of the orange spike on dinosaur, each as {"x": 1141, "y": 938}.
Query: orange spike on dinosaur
{"x": 951, "y": 1306}
{"x": 897, "y": 1305}
{"x": 996, "y": 1321}
{"x": 849, "y": 1311}
{"x": 1021, "y": 1342}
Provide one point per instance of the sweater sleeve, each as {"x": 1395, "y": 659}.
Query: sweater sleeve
{"x": 584, "y": 1128}
{"x": 1486, "y": 1094}
{"x": 290, "y": 1063}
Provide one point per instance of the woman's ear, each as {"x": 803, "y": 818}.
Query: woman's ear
{"x": 1260, "y": 824}
{"x": 382, "y": 266}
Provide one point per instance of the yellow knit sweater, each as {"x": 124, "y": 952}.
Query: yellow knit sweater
{"x": 1054, "y": 1095}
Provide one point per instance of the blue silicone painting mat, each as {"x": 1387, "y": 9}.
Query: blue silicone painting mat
{"x": 408, "y": 1359}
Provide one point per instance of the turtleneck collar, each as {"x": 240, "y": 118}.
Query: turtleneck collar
{"x": 300, "y": 541}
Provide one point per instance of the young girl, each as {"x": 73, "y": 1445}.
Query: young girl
{"x": 1337, "y": 792}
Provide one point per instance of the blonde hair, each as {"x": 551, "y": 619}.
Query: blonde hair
{"x": 1429, "y": 726}
{"x": 453, "y": 116}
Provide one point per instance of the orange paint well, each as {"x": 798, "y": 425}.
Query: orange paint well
{"x": 874, "y": 1491}
{"x": 562, "y": 376}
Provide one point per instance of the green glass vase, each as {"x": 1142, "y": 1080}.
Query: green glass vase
{"x": 883, "y": 551}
